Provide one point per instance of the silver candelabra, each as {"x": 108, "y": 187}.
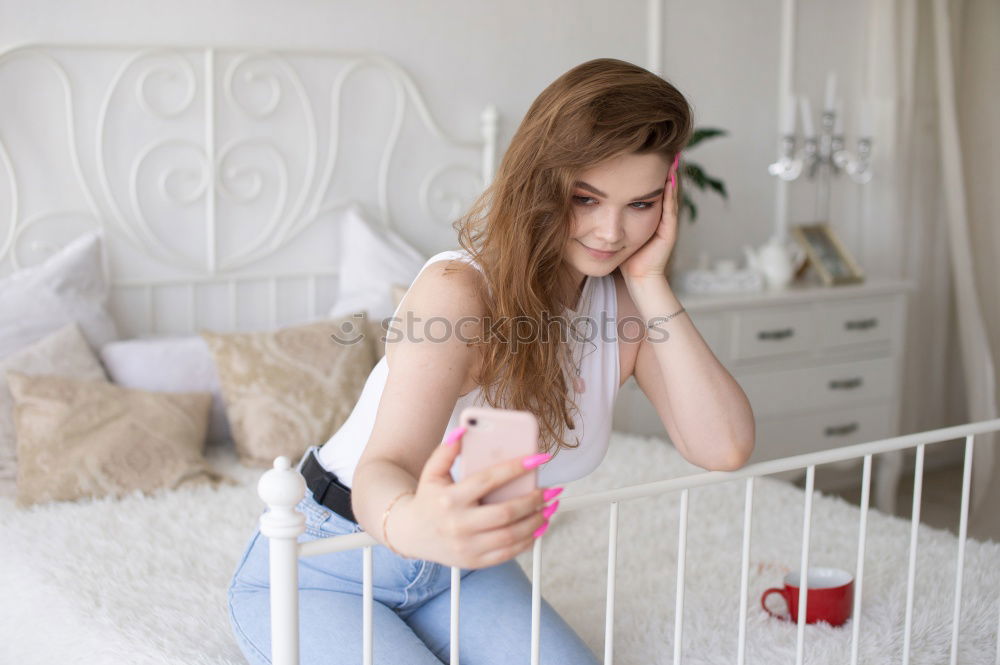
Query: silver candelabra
{"x": 823, "y": 156}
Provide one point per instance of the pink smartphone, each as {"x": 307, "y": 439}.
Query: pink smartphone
{"x": 498, "y": 435}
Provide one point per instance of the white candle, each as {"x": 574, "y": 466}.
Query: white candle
{"x": 788, "y": 116}
{"x": 838, "y": 118}
{"x": 831, "y": 91}
{"x": 807, "y": 123}
{"x": 786, "y": 74}
{"x": 785, "y": 96}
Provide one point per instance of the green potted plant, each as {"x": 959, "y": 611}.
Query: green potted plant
{"x": 695, "y": 175}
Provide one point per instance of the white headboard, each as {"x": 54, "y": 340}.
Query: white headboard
{"x": 216, "y": 173}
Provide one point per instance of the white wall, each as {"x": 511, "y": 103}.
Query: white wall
{"x": 721, "y": 53}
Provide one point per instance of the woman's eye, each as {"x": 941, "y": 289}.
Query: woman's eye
{"x": 636, "y": 205}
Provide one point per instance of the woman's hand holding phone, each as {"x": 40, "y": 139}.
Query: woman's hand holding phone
{"x": 445, "y": 521}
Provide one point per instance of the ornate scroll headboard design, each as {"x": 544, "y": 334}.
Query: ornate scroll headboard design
{"x": 216, "y": 174}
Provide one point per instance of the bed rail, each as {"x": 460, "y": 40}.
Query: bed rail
{"x": 283, "y": 487}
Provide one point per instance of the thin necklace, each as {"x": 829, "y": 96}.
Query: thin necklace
{"x": 579, "y": 385}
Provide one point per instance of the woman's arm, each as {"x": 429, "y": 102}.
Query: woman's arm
{"x": 705, "y": 411}
{"x": 429, "y": 368}
{"x": 424, "y": 381}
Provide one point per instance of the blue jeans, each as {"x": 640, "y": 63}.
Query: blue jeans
{"x": 411, "y": 612}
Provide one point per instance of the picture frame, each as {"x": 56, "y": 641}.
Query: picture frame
{"x": 827, "y": 254}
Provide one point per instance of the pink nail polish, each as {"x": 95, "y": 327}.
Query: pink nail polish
{"x": 547, "y": 513}
{"x": 454, "y": 435}
{"x": 536, "y": 460}
{"x": 551, "y": 493}
{"x": 542, "y": 529}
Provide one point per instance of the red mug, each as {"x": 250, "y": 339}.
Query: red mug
{"x": 829, "y": 596}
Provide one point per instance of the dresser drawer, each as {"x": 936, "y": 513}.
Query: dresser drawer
{"x": 773, "y": 331}
{"x": 868, "y": 320}
{"x": 827, "y": 386}
{"x": 813, "y": 432}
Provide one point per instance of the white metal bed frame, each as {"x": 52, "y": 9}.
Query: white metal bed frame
{"x": 282, "y": 487}
{"x": 169, "y": 82}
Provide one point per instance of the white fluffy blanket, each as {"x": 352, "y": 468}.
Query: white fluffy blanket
{"x": 143, "y": 579}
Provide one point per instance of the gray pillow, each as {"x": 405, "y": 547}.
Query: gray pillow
{"x": 68, "y": 287}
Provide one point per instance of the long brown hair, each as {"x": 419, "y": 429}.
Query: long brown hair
{"x": 518, "y": 227}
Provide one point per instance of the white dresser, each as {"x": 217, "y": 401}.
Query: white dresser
{"x": 822, "y": 367}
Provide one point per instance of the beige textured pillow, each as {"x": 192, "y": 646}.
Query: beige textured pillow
{"x": 375, "y": 327}
{"x": 377, "y": 334}
{"x": 288, "y": 389}
{"x": 78, "y": 439}
{"x": 64, "y": 353}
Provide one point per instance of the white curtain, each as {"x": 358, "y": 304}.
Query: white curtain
{"x": 934, "y": 71}
{"x": 966, "y": 49}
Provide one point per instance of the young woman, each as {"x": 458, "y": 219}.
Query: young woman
{"x": 579, "y": 225}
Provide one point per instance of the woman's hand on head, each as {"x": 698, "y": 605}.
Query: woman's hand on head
{"x": 445, "y": 522}
{"x": 651, "y": 259}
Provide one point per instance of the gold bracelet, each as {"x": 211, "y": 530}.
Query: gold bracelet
{"x": 656, "y": 320}
{"x": 385, "y": 518}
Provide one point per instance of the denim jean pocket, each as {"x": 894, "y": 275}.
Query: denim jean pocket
{"x": 322, "y": 522}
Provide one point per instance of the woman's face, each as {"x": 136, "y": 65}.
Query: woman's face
{"x": 616, "y": 207}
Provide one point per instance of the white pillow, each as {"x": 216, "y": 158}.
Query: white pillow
{"x": 372, "y": 259}
{"x": 62, "y": 353}
{"x": 169, "y": 364}
{"x": 69, "y": 286}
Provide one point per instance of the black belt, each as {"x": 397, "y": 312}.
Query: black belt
{"x": 326, "y": 487}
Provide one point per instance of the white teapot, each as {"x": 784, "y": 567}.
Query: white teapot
{"x": 777, "y": 261}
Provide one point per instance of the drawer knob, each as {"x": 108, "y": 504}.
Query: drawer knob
{"x": 861, "y": 324}
{"x": 775, "y": 334}
{"x": 840, "y": 430}
{"x": 845, "y": 384}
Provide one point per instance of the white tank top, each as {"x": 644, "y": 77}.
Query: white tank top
{"x": 599, "y": 370}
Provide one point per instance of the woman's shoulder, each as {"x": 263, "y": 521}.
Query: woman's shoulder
{"x": 443, "y": 305}
{"x": 448, "y": 285}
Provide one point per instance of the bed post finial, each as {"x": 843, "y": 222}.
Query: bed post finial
{"x": 282, "y": 488}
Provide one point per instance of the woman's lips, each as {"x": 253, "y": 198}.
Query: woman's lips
{"x": 598, "y": 254}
